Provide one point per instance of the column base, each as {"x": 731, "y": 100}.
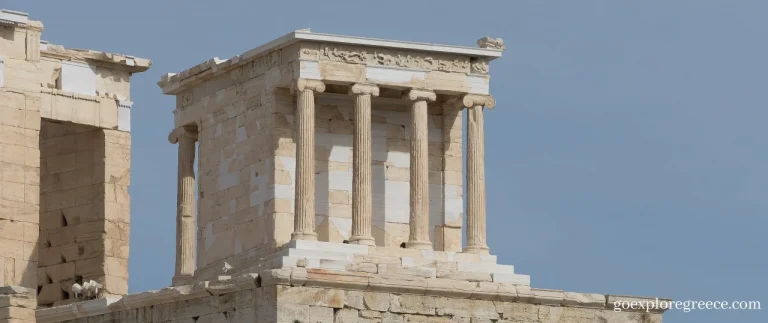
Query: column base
{"x": 362, "y": 240}
{"x": 421, "y": 245}
{"x": 304, "y": 236}
{"x": 179, "y": 280}
{"x": 482, "y": 250}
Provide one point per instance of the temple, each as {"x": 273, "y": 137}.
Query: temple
{"x": 320, "y": 180}
{"x": 319, "y": 146}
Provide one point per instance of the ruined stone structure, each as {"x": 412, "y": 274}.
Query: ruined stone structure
{"x": 319, "y": 181}
{"x": 64, "y": 165}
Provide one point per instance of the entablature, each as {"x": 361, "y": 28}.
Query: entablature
{"x": 346, "y": 59}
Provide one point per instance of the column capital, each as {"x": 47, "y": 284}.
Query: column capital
{"x": 308, "y": 84}
{"x": 420, "y": 95}
{"x": 179, "y": 132}
{"x": 364, "y": 89}
{"x": 471, "y": 100}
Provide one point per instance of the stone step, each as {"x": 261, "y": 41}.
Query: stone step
{"x": 488, "y": 259}
{"x": 314, "y": 263}
{"x": 292, "y": 262}
{"x": 335, "y": 264}
{"x": 328, "y": 246}
{"x": 317, "y": 254}
{"x": 490, "y": 268}
{"x": 515, "y": 279}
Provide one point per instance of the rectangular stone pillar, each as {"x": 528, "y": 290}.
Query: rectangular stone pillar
{"x": 448, "y": 235}
{"x": 19, "y": 187}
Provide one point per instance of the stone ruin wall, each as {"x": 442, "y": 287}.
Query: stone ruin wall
{"x": 64, "y": 164}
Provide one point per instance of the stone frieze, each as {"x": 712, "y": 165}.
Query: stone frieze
{"x": 394, "y": 58}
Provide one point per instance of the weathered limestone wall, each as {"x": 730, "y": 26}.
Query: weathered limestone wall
{"x": 236, "y": 116}
{"x": 85, "y": 212}
{"x": 308, "y": 295}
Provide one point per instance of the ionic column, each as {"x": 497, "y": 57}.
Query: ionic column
{"x": 304, "y": 218}
{"x": 419, "y": 220}
{"x": 476, "y": 221}
{"x": 361, "y": 165}
{"x": 185, "y": 201}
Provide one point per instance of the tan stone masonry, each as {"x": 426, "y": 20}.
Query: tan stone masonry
{"x": 65, "y": 153}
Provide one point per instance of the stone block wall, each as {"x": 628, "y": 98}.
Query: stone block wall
{"x": 236, "y": 176}
{"x": 85, "y": 212}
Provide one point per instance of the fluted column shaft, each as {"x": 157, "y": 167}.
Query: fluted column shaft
{"x": 475, "y": 182}
{"x": 476, "y": 217}
{"x": 185, "y": 197}
{"x": 304, "y": 218}
{"x": 419, "y": 168}
{"x": 362, "y": 209}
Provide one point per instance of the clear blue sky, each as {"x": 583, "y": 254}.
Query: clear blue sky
{"x": 626, "y": 155}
